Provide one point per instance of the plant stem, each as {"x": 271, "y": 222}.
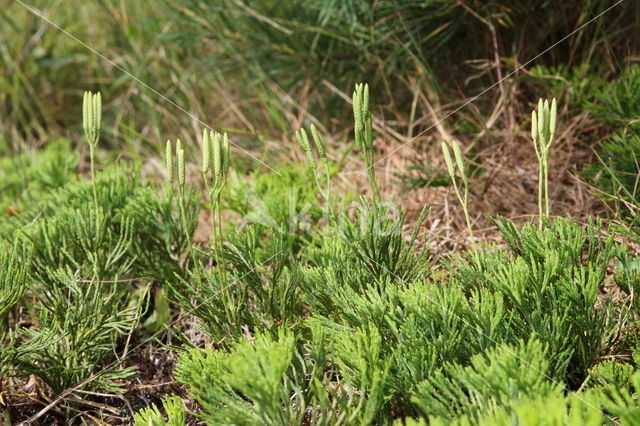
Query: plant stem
{"x": 546, "y": 188}
{"x": 183, "y": 217}
{"x": 465, "y": 208}
{"x": 95, "y": 190}
{"x": 216, "y": 222}
{"x": 540, "y": 190}
{"x": 371, "y": 173}
{"x": 219, "y": 211}
{"x": 468, "y": 220}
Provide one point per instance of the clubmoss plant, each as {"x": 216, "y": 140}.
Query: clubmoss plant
{"x": 316, "y": 166}
{"x": 543, "y": 127}
{"x": 312, "y": 319}
{"x": 463, "y": 196}
{"x": 92, "y": 125}
{"x": 496, "y": 378}
{"x": 92, "y": 118}
{"x": 85, "y": 320}
{"x": 169, "y": 163}
{"x": 364, "y": 132}
{"x": 14, "y": 281}
{"x": 318, "y": 143}
{"x": 215, "y": 162}
{"x": 303, "y": 141}
{"x": 181, "y": 166}
{"x": 172, "y": 406}
{"x": 179, "y": 155}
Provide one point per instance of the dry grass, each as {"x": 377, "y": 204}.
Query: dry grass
{"x": 503, "y": 183}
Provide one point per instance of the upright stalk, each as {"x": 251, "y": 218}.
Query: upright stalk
{"x": 169, "y": 165}
{"x": 543, "y": 126}
{"x": 364, "y": 133}
{"x": 94, "y": 186}
{"x": 181, "y": 189}
{"x": 92, "y": 125}
{"x": 215, "y": 159}
{"x": 463, "y": 197}
{"x": 169, "y": 158}
{"x": 317, "y": 167}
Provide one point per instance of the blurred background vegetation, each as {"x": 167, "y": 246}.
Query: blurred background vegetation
{"x": 260, "y": 69}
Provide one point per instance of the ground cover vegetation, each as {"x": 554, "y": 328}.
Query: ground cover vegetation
{"x": 155, "y": 269}
{"x": 341, "y": 321}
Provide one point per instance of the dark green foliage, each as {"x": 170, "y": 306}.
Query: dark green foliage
{"x": 622, "y": 402}
{"x": 84, "y": 320}
{"x": 361, "y": 249}
{"x": 271, "y": 380}
{"x": 364, "y": 366}
{"x": 7, "y": 355}
{"x": 136, "y": 233}
{"x": 576, "y": 245}
{"x": 286, "y": 202}
{"x": 500, "y": 337}
{"x": 13, "y": 349}
{"x": 151, "y": 416}
{"x": 494, "y": 380}
{"x": 358, "y": 250}
{"x": 407, "y": 318}
{"x": 83, "y": 264}
{"x": 618, "y": 105}
{"x": 611, "y": 372}
{"x": 253, "y": 290}
{"x": 82, "y": 241}
{"x": 159, "y": 237}
{"x": 341, "y": 322}
{"x": 14, "y": 281}
{"x": 550, "y": 287}
{"x": 627, "y": 277}
{"x": 375, "y": 238}
{"x": 576, "y": 86}
{"x": 368, "y": 284}
{"x": 249, "y": 385}
{"x": 617, "y": 173}
{"x": 30, "y": 177}
{"x": 555, "y": 409}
